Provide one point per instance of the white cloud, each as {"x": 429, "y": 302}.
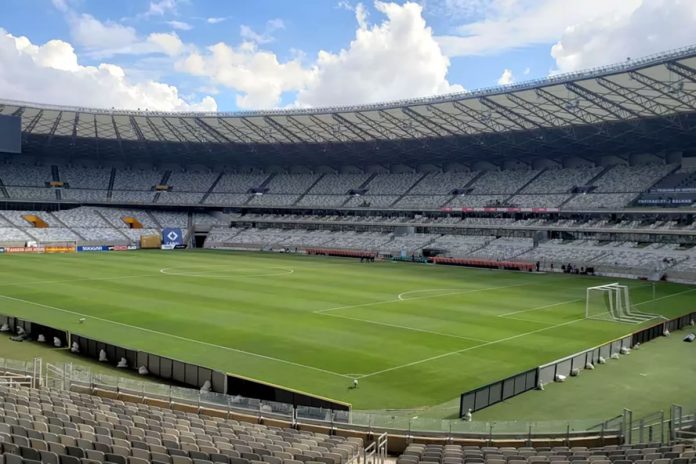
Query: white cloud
{"x": 180, "y": 25}
{"x": 161, "y": 7}
{"x": 396, "y": 59}
{"x": 506, "y": 78}
{"x": 256, "y": 74}
{"x": 61, "y": 5}
{"x": 527, "y": 70}
{"x": 105, "y": 39}
{"x": 273, "y": 25}
{"x": 51, "y": 73}
{"x": 91, "y": 33}
{"x": 168, "y": 43}
{"x": 655, "y": 26}
{"x": 216, "y": 20}
{"x": 509, "y": 24}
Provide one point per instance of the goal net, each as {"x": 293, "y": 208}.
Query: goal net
{"x": 612, "y": 302}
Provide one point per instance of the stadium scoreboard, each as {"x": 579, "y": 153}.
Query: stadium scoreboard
{"x": 10, "y": 134}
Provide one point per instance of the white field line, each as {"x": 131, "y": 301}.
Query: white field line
{"x": 494, "y": 342}
{"x": 538, "y": 308}
{"x": 665, "y": 297}
{"x": 399, "y": 297}
{"x": 178, "y": 337}
{"x": 396, "y": 326}
{"x": 66, "y": 281}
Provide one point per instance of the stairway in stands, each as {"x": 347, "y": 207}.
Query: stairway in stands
{"x": 3, "y": 190}
{"x": 308, "y": 190}
{"x": 62, "y": 224}
{"x": 467, "y": 186}
{"x": 112, "y": 179}
{"x": 212, "y": 187}
{"x": 521, "y": 189}
{"x": 262, "y": 185}
{"x": 589, "y": 183}
{"x": 118, "y": 230}
{"x": 165, "y": 179}
{"x": 55, "y": 177}
{"x": 408, "y": 190}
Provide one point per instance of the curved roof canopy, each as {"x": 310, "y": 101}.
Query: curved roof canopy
{"x": 638, "y": 106}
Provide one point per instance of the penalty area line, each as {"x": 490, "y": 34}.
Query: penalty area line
{"x": 405, "y": 327}
{"x": 482, "y": 345}
{"x": 538, "y": 308}
{"x": 178, "y": 337}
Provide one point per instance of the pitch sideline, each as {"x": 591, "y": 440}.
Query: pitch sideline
{"x": 179, "y": 337}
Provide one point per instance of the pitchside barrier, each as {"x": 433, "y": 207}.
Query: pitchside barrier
{"x": 174, "y": 371}
{"x": 501, "y": 390}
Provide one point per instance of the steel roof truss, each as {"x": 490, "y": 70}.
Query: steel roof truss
{"x": 241, "y": 136}
{"x": 492, "y": 125}
{"x": 283, "y": 130}
{"x": 580, "y": 114}
{"x": 262, "y": 132}
{"x": 406, "y": 127}
{"x": 306, "y": 130}
{"x": 379, "y": 128}
{"x": 358, "y": 131}
{"x": 618, "y": 111}
{"x": 333, "y": 131}
{"x": 216, "y": 134}
{"x": 688, "y": 101}
{"x": 648, "y": 104}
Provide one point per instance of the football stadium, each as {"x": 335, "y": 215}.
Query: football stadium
{"x": 498, "y": 275}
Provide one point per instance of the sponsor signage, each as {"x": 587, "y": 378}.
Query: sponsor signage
{"x": 168, "y": 246}
{"x": 93, "y": 248}
{"x": 59, "y": 249}
{"x": 172, "y": 236}
{"x": 107, "y": 248}
{"x": 24, "y": 250}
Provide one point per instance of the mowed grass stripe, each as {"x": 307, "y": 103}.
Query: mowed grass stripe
{"x": 275, "y": 317}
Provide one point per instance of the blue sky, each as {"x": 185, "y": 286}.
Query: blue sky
{"x": 231, "y": 55}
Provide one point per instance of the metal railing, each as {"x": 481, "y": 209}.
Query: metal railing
{"x": 655, "y": 427}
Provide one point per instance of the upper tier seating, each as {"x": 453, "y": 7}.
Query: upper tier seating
{"x": 391, "y": 184}
{"x": 85, "y": 178}
{"x": 137, "y": 179}
{"x": 339, "y": 184}
{"x": 183, "y": 181}
{"x": 632, "y": 179}
{"x": 26, "y": 176}
{"x": 291, "y": 183}
{"x": 500, "y": 182}
{"x": 238, "y": 183}
{"x": 442, "y": 183}
{"x": 561, "y": 180}
{"x": 613, "y": 187}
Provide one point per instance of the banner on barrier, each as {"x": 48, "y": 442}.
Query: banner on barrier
{"x": 106, "y": 248}
{"x": 60, "y": 249}
{"x": 172, "y": 236}
{"x": 24, "y": 249}
{"x": 93, "y": 248}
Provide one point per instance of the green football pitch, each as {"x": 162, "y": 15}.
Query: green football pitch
{"x": 414, "y": 335}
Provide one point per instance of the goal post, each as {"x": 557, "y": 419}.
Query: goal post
{"x": 612, "y": 302}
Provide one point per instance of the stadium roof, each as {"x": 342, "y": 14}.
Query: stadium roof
{"x": 634, "y": 107}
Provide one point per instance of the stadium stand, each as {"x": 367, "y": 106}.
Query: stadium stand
{"x": 643, "y": 453}
{"x": 59, "y": 427}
